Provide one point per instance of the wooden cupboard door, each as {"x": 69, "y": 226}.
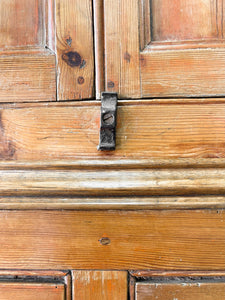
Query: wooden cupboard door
{"x": 46, "y": 50}
{"x": 163, "y": 48}
{"x": 185, "y": 291}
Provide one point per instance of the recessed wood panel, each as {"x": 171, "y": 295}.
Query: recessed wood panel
{"x": 185, "y": 19}
{"x": 156, "y": 240}
{"x": 185, "y": 291}
{"x": 21, "y": 23}
{"x": 34, "y": 291}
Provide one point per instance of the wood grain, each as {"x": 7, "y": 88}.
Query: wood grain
{"x": 101, "y": 285}
{"x": 27, "y": 291}
{"x": 27, "y": 75}
{"x": 156, "y": 240}
{"x": 176, "y": 73}
{"x": 185, "y": 19}
{"x": 184, "y": 291}
{"x": 144, "y": 130}
{"x": 98, "y": 14}
{"x": 40, "y": 202}
{"x": 145, "y": 23}
{"x": 189, "y": 60}
{"x": 122, "y": 48}
{"x": 74, "y": 44}
{"x": 181, "y": 274}
{"x": 21, "y": 23}
{"x": 108, "y": 183}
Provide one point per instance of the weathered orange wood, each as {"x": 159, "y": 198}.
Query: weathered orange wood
{"x": 21, "y": 23}
{"x": 185, "y": 19}
{"x": 174, "y": 73}
{"x": 122, "y": 48}
{"x": 185, "y": 291}
{"x": 27, "y": 75}
{"x": 75, "y": 48}
{"x": 181, "y": 60}
{"x": 145, "y": 130}
{"x": 156, "y": 240}
{"x": 101, "y": 285}
{"x": 34, "y": 291}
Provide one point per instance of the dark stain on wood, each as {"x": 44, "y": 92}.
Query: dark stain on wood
{"x": 72, "y": 58}
{"x": 110, "y": 84}
{"x": 7, "y": 148}
{"x": 127, "y": 57}
{"x": 80, "y": 80}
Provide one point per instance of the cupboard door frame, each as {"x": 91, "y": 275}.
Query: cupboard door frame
{"x": 137, "y": 68}
{"x": 58, "y": 62}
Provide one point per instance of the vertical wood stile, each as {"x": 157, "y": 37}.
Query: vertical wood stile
{"x": 98, "y": 12}
{"x": 74, "y": 44}
{"x": 122, "y": 48}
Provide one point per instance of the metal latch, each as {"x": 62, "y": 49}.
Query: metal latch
{"x": 107, "y": 139}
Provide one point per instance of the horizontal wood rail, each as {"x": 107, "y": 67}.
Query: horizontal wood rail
{"x": 113, "y": 184}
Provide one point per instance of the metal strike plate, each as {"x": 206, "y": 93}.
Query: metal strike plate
{"x": 107, "y": 139}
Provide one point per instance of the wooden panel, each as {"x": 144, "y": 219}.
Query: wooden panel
{"x": 21, "y": 23}
{"x": 105, "y": 285}
{"x": 185, "y": 19}
{"x": 168, "y": 240}
{"x": 74, "y": 43}
{"x": 184, "y": 291}
{"x": 192, "y": 64}
{"x": 27, "y": 291}
{"x": 122, "y": 48}
{"x": 145, "y": 130}
{"x": 198, "y": 72}
{"x": 27, "y": 76}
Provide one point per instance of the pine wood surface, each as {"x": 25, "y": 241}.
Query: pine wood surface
{"x": 101, "y": 285}
{"x": 184, "y": 291}
{"x": 176, "y": 73}
{"x": 108, "y": 183}
{"x": 27, "y": 291}
{"x": 180, "y": 274}
{"x": 74, "y": 45}
{"x": 27, "y": 76}
{"x": 156, "y": 240}
{"x": 145, "y": 130}
{"x": 40, "y": 202}
{"x": 98, "y": 15}
{"x": 137, "y": 68}
{"x": 21, "y": 23}
{"x": 122, "y": 48}
{"x": 186, "y": 20}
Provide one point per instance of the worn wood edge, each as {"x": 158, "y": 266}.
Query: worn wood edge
{"x": 112, "y": 183}
{"x": 116, "y": 164}
{"x": 113, "y": 203}
{"x": 176, "y": 273}
{"x": 128, "y": 102}
{"x": 98, "y": 16}
{"x": 34, "y": 273}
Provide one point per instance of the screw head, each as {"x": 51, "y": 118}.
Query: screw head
{"x": 108, "y": 118}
